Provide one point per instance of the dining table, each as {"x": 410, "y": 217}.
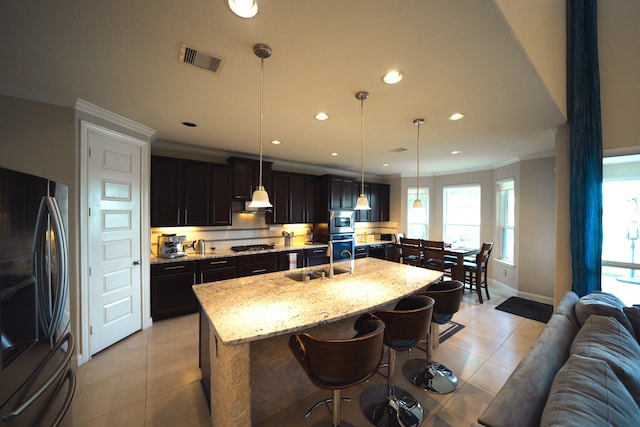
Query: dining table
{"x": 457, "y": 272}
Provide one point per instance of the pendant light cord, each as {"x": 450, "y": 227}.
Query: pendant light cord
{"x": 362, "y": 144}
{"x": 261, "y": 117}
{"x": 418, "y": 167}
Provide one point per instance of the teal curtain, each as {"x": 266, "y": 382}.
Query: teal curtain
{"x": 586, "y": 147}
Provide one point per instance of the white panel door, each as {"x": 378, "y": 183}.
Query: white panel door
{"x": 114, "y": 239}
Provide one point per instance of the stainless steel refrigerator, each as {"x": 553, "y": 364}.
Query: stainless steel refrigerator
{"x": 37, "y": 382}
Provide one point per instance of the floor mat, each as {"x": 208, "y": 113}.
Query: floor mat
{"x": 526, "y": 308}
{"x": 448, "y": 330}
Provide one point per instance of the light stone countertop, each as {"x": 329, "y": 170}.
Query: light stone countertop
{"x": 252, "y": 308}
{"x": 227, "y": 252}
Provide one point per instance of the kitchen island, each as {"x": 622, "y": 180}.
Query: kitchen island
{"x": 246, "y": 323}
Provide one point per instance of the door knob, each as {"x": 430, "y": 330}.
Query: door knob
{"x": 137, "y": 262}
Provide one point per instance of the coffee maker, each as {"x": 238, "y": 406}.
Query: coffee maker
{"x": 170, "y": 246}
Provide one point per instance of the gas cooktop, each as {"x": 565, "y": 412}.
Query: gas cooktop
{"x": 260, "y": 247}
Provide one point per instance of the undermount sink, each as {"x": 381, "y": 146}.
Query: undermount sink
{"x": 315, "y": 273}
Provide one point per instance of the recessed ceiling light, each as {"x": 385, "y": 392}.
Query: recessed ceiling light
{"x": 384, "y": 165}
{"x": 393, "y": 77}
{"x": 456, "y": 116}
{"x": 334, "y": 154}
{"x": 454, "y": 152}
{"x": 321, "y": 116}
{"x": 189, "y": 124}
{"x": 276, "y": 142}
{"x": 244, "y": 8}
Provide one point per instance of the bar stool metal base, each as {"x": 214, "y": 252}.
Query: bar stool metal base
{"x": 436, "y": 378}
{"x": 443, "y": 381}
{"x": 399, "y": 410}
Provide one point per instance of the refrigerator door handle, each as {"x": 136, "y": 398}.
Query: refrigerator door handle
{"x": 50, "y": 306}
{"x": 57, "y": 374}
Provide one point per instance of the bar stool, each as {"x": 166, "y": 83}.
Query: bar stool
{"x": 335, "y": 364}
{"x": 405, "y": 326}
{"x": 432, "y": 376}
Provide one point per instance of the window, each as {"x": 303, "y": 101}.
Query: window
{"x": 506, "y": 218}
{"x": 418, "y": 219}
{"x": 462, "y": 215}
{"x": 621, "y": 227}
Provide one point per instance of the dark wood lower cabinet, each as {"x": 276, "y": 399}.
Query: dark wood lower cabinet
{"x": 171, "y": 292}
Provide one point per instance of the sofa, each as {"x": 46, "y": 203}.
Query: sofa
{"x": 582, "y": 370}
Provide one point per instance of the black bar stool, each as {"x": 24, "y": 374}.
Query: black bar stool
{"x": 335, "y": 364}
{"x": 405, "y": 326}
{"x": 427, "y": 374}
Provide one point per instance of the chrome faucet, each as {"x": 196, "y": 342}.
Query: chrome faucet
{"x": 330, "y": 254}
{"x": 347, "y": 251}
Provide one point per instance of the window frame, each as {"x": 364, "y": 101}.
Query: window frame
{"x": 506, "y": 218}
{"x": 475, "y": 243}
{"x": 423, "y": 194}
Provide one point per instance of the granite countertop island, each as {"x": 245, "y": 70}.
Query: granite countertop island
{"x": 246, "y": 323}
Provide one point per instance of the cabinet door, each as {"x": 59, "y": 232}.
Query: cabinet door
{"x": 166, "y": 191}
{"x": 243, "y": 175}
{"x": 342, "y": 193}
{"x": 312, "y": 196}
{"x": 283, "y": 259}
{"x": 374, "y": 202}
{"x": 172, "y": 295}
{"x": 197, "y": 190}
{"x": 279, "y": 198}
{"x": 384, "y": 202}
{"x": 297, "y": 198}
{"x": 221, "y": 195}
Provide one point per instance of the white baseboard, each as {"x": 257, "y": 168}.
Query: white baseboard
{"x": 515, "y": 293}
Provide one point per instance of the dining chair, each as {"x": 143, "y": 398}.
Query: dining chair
{"x": 475, "y": 273}
{"x": 411, "y": 252}
{"x": 434, "y": 259}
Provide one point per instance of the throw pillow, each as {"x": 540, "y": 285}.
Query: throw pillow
{"x": 586, "y": 392}
{"x": 602, "y": 304}
{"x": 633, "y": 314}
{"x": 604, "y": 338}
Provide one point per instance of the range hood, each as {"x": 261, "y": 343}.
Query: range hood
{"x": 243, "y": 207}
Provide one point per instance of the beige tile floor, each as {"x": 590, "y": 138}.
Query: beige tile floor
{"x": 152, "y": 377}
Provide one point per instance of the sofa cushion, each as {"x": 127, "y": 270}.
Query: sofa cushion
{"x": 586, "y": 392}
{"x": 633, "y": 314}
{"x": 603, "y": 304}
{"x": 604, "y": 338}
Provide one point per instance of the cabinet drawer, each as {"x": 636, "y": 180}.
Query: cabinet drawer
{"x": 173, "y": 268}
{"x": 215, "y": 274}
{"x": 259, "y": 268}
{"x": 250, "y": 265}
{"x": 213, "y": 263}
{"x": 360, "y": 252}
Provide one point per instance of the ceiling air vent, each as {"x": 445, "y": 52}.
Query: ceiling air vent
{"x": 200, "y": 59}
{"x": 399, "y": 150}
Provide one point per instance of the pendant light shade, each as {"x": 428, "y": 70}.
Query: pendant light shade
{"x": 417, "y": 204}
{"x": 260, "y": 197}
{"x": 362, "y": 203}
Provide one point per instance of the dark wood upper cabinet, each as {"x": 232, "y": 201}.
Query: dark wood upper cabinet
{"x": 279, "y": 198}
{"x": 343, "y": 193}
{"x": 221, "y": 195}
{"x": 167, "y": 186}
{"x": 294, "y": 198}
{"x": 246, "y": 177}
{"x": 187, "y": 192}
{"x": 384, "y": 202}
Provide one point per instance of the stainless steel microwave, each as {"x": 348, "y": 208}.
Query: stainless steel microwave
{"x": 341, "y": 221}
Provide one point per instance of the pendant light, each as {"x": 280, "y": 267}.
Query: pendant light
{"x": 260, "y": 197}
{"x": 417, "y": 204}
{"x": 362, "y": 203}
